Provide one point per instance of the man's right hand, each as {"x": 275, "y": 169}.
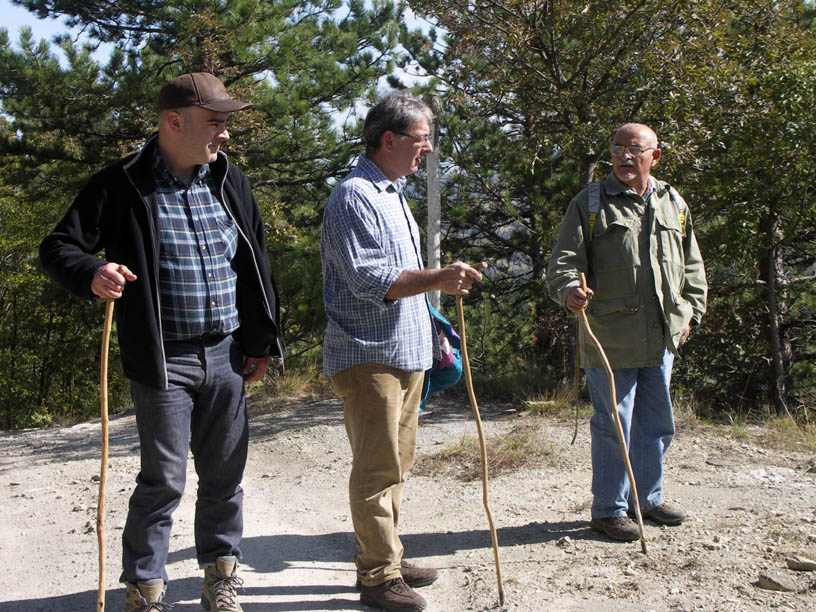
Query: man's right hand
{"x": 458, "y": 278}
{"x": 577, "y": 299}
{"x": 109, "y": 280}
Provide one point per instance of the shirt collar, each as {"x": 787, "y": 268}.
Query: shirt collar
{"x": 368, "y": 169}
{"x": 162, "y": 171}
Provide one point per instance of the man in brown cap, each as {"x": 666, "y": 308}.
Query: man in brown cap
{"x": 197, "y": 317}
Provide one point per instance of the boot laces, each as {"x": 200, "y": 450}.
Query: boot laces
{"x": 156, "y": 606}
{"x": 398, "y": 585}
{"x": 225, "y": 590}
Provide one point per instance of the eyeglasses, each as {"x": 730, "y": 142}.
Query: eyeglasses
{"x": 618, "y": 150}
{"x": 425, "y": 138}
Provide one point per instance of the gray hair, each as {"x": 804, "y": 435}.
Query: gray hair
{"x": 396, "y": 112}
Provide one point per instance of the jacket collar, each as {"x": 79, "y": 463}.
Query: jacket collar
{"x": 614, "y": 186}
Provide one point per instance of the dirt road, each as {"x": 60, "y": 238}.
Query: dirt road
{"x": 751, "y": 508}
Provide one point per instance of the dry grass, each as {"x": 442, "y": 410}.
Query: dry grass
{"x": 560, "y": 403}
{"x": 524, "y": 446}
{"x": 295, "y": 386}
{"x": 783, "y": 433}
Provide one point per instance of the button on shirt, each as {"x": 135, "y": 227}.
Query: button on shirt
{"x": 197, "y": 241}
{"x": 369, "y": 238}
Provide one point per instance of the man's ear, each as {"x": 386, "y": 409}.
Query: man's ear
{"x": 174, "y": 121}
{"x": 387, "y": 140}
{"x": 655, "y": 156}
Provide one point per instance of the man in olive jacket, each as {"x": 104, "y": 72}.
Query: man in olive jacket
{"x": 632, "y": 236}
{"x": 197, "y": 317}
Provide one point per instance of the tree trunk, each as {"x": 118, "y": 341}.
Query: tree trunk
{"x": 12, "y": 351}
{"x": 771, "y": 271}
{"x": 588, "y": 163}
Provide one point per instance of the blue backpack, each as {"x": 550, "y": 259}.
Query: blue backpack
{"x": 447, "y": 371}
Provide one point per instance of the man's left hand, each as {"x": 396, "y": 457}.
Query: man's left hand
{"x": 684, "y": 336}
{"x": 255, "y": 368}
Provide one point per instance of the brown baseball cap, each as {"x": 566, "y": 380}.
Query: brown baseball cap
{"x": 198, "y": 89}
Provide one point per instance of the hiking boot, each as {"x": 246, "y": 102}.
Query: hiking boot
{"x": 413, "y": 575}
{"x": 146, "y": 597}
{"x": 665, "y": 514}
{"x": 616, "y": 527}
{"x": 220, "y": 582}
{"x": 393, "y": 596}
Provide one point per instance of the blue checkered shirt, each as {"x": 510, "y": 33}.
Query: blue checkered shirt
{"x": 197, "y": 241}
{"x": 369, "y": 238}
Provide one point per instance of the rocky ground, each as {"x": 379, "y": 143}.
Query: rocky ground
{"x": 752, "y": 506}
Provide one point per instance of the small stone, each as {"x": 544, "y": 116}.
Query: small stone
{"x": 801, "y": 564}
{"x": 771, "y": 582}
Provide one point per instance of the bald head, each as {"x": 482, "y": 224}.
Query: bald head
{"x": 646, "y": 134}
{"x": 634, "y": 154}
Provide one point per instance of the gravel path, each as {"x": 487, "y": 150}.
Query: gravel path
{"x": 751, "y": 509}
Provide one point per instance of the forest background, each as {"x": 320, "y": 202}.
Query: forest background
{"x": 528, "y": 93}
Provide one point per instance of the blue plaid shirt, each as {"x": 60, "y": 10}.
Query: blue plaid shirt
{"x": 369, "y": 238}
{"x": 197, "y": 241}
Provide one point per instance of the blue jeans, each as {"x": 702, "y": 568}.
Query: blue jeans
{"x": 644, "y": 406}
{"x": 204, "y": 410}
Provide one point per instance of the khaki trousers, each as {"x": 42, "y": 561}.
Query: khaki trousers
{"x": 381, "y": 412}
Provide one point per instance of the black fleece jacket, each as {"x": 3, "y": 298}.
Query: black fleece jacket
{"x": 112, "y": 213}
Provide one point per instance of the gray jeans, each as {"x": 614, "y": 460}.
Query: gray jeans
{"x": 204, "y": 410}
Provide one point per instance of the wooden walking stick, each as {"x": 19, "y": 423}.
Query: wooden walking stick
{"x": 613, "y": 406}
{"x": 460, "y": 311}
{"x": 103, "y": 474}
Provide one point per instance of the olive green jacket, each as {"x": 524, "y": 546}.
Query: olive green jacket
{"x": 645, "y": 269}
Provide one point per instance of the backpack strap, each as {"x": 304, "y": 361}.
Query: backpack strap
{"x": 676, "y": 199}
{"x": 594, "y": 200}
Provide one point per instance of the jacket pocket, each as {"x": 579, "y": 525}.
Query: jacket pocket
{"x": 606, "y": 307}
{"x": 614, "y": 260}
{"x": 671, "y": 256}
{"x": 614, "y": 243}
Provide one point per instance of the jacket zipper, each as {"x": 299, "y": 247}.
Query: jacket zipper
{"x": 165, "y": 382}
{"x": 248, "y": 243}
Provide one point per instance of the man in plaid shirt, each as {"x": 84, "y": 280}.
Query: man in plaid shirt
{"x": 380, "y": 338}
{"x": 197, "y": 317}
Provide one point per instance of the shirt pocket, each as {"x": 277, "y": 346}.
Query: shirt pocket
{"x": 229, "y": 237}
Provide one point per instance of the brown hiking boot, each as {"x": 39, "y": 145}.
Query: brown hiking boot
{"x": 220, "y": 583}
{"x": 393, "y": 596}
{"x": 616, "y": 527}
{"x": 146, "y": 597}
{"x": 413, "y": 575}
{"x": 665, "y": 514}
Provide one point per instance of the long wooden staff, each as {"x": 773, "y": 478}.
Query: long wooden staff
{"x": 613, "y": 406}
{"x": 103, "y": 473}
{"x": 460, "y": 311}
